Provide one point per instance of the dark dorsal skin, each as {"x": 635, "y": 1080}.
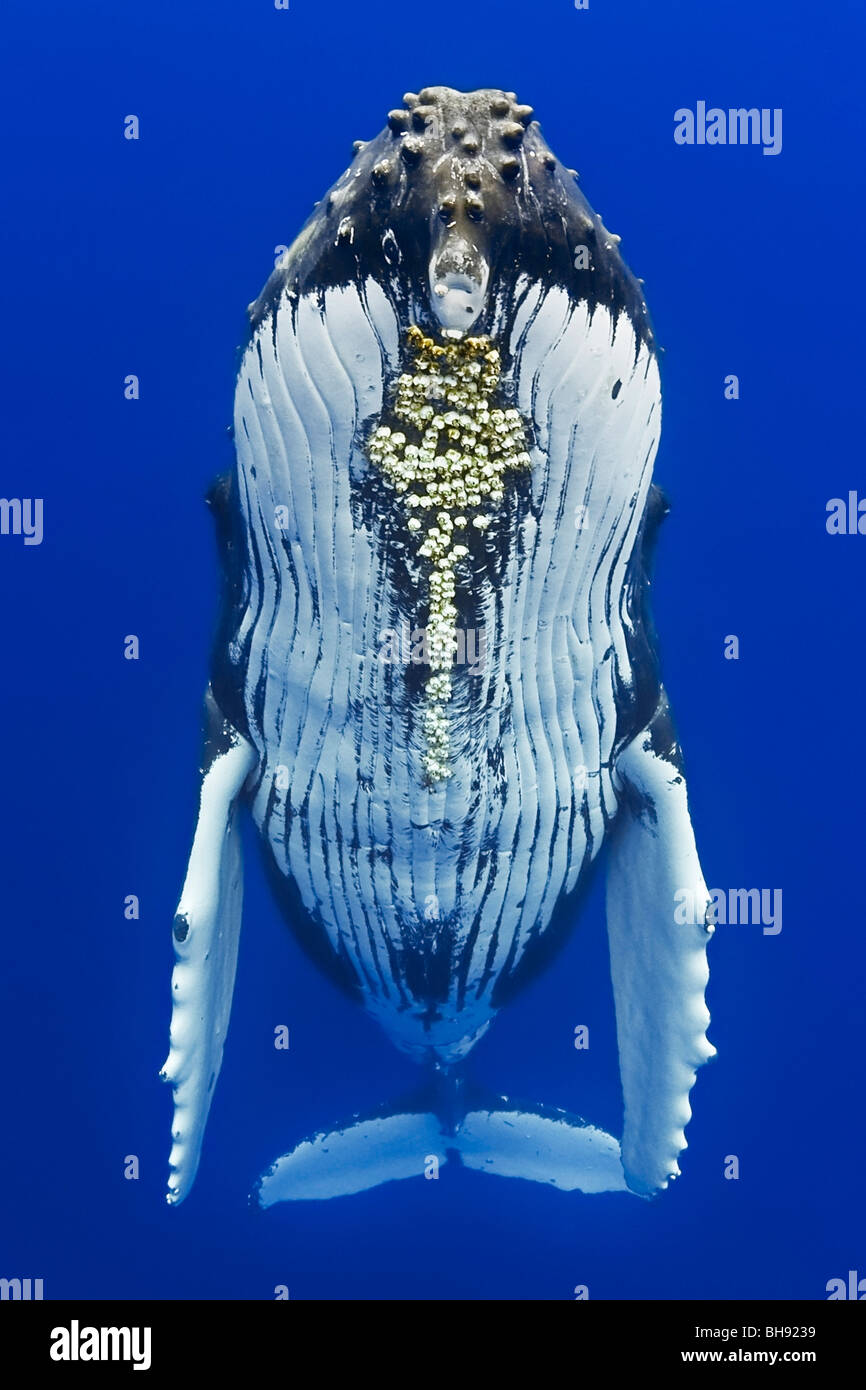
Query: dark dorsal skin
{"x": 459, "y": 179}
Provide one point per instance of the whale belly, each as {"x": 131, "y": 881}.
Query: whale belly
{"x": 432, "y": 894}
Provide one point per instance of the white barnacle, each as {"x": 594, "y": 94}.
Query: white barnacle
{"x": 456, "y": 444}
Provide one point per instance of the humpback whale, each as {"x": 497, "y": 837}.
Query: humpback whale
{"x": 445, "y": 420}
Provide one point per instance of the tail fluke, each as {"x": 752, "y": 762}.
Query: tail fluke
{"x": 563, "y": 1152}
{"x": 550, "y": 1147}
{"x": 350, "y": 1160}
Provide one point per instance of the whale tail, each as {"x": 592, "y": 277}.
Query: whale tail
{"x": 446, "y": 1124}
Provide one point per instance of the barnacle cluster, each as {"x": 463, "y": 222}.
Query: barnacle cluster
{"x": 448, "y": 463}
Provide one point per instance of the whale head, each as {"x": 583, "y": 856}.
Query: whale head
{"x": 456, "y": 195}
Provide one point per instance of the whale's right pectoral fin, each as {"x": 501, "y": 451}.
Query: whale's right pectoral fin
{"x": 206, "y": 931}
{"x": 656, "y": 917}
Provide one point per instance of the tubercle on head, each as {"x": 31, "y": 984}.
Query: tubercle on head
{"x": 456, "y": 190}
{"x": 470, "y": 142}
{"x": 437, "y": 118}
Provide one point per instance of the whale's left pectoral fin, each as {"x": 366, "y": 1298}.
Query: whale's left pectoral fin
{"x": 657, "y": 915}
{"x": 206, "y": 932}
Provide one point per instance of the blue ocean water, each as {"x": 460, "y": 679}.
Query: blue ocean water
{"x": 140, "y": 257}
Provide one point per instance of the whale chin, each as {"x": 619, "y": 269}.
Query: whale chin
{"x": 428, "y": 1037}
